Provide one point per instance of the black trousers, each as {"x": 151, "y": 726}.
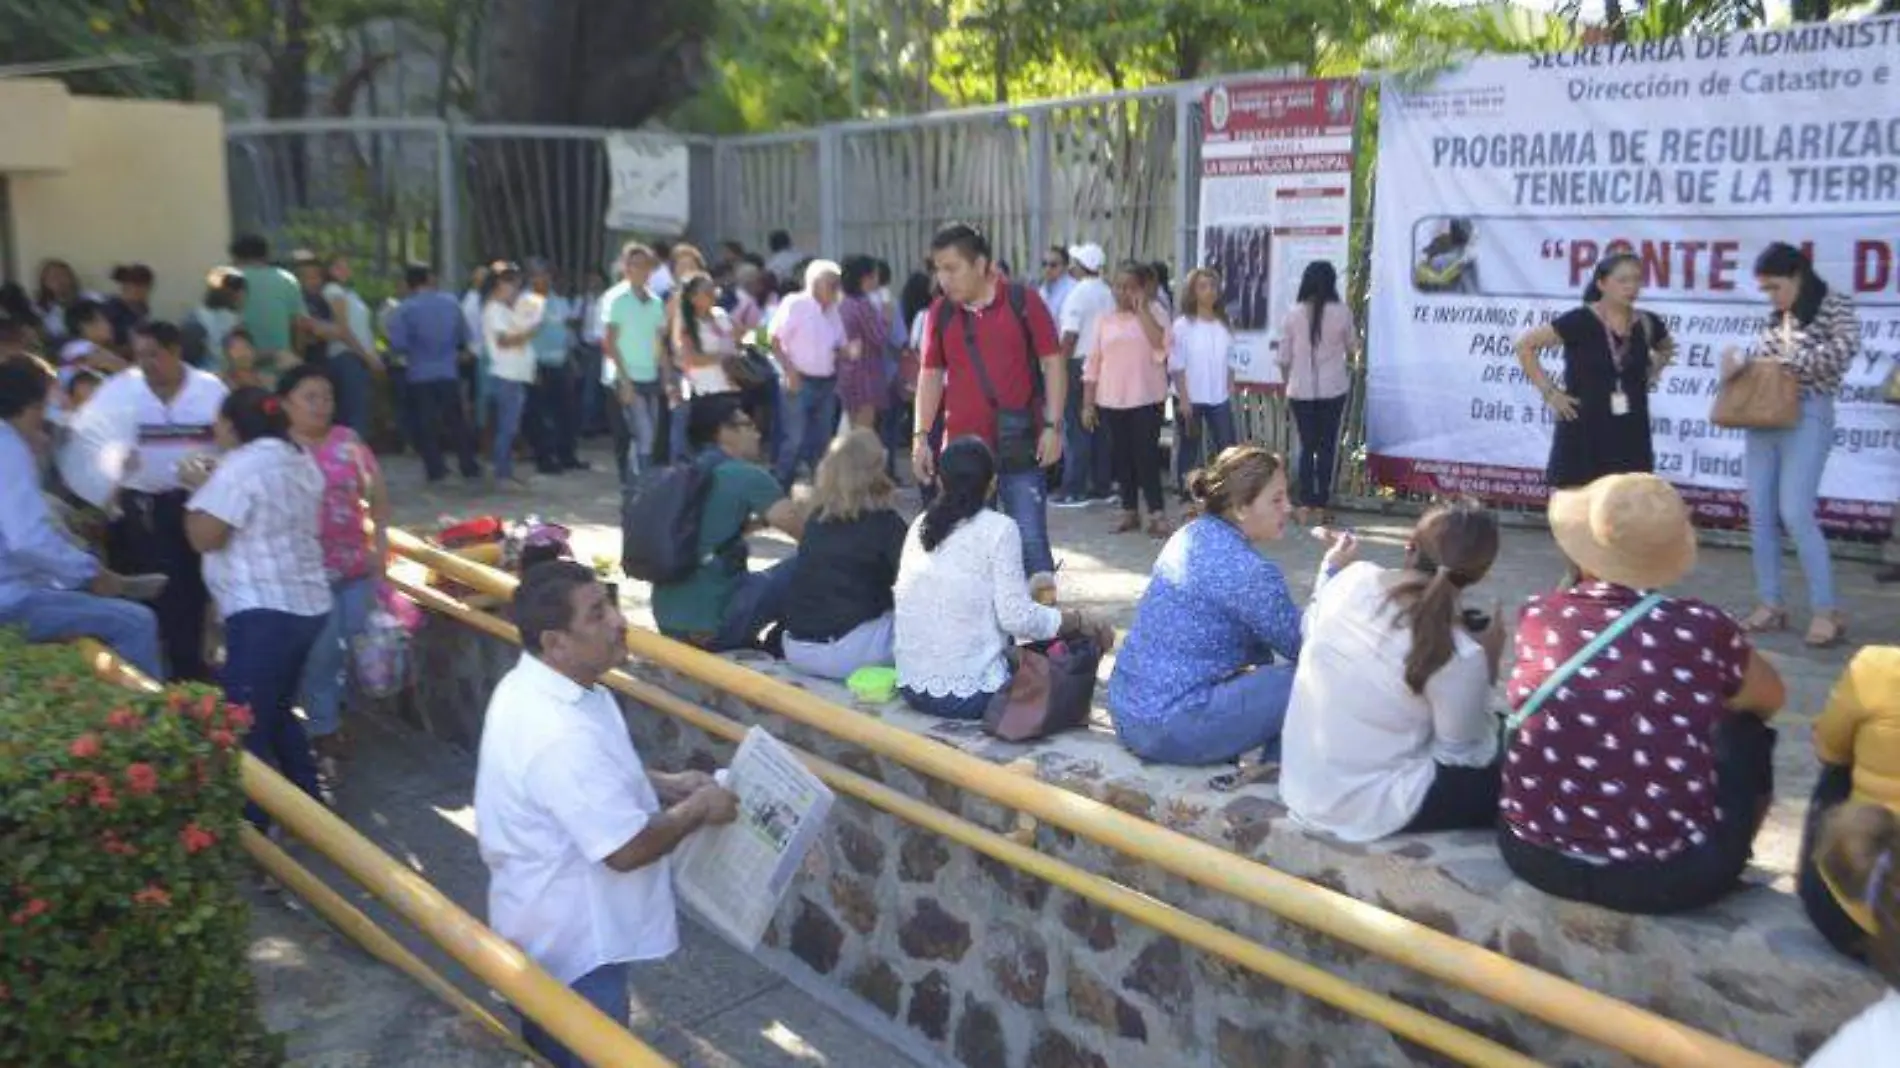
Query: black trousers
{"x": 1460, "y": 799}
{"x": 1840, "y": 930}
{"x": 439, "y": 408}
{"x": 149, "y": 538}
{"x": 1697, "y": 876}
{"x": 553, "y": 417}
{"x": 1134, "y": 440}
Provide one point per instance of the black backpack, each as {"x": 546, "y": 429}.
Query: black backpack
{"x": 659, "y": 522}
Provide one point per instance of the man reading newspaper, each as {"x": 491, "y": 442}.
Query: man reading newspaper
{"x": 575, "y": 832}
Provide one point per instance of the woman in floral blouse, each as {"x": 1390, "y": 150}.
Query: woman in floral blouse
{"x": 352, "y": 559}
{"x": 1814, "y": 332}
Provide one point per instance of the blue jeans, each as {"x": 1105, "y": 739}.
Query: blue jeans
{"x": 320, "y": 690}
{"x": 605, "y": 988}
{"x": 1213, "y": 432}
{"x": 511, "y": 398}
{"x": 642, "y": 422}
{"x": 352, "y": 380}
{"x": 1783, "y": 473}
{"x": 128, "y": 629}
{"x": 264, "y": 654}
{"x": 949, "y": 706}
{"x": 756, "y": 603}
{"x": 1318, "y": 422}
{"x": 1085, "y": 459}
{"x": 1024, "y": 497}
{"x": 1238, "y": 715}
{"x": 810, "y": 417}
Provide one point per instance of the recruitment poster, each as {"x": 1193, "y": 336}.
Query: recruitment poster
{"x": 1276, "y": 194}
{"x": 1502, "y": 183}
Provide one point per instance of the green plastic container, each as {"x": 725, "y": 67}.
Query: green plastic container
{"x": 873, "y": 685}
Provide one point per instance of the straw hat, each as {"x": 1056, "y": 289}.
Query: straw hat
{"x": 1632, "y": 530}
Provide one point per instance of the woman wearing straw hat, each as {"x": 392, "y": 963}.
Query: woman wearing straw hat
{"x": 1639, "y": 762}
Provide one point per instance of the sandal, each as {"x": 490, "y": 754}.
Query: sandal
{"x": 1825, "y": 631}
{"x": 1128, "y": 521}
{"x": 1765, "y": 619}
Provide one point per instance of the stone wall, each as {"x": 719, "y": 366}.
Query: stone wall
{"x": 1002, "y": 970}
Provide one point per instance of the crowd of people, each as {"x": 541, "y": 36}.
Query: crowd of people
{"x": 1632, "y": 769}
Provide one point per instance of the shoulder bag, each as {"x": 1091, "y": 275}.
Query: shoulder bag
{"x": 1764, "y": 395}
{"x": 1624, "y": 622}
{"x": 1016, "y": 429}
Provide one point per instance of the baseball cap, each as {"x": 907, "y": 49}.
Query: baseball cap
{"x": 1089, "y": 256}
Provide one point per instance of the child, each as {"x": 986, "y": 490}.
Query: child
{"x": 240, "y": 360}
{"x": 1198, "y": 348}
{"x": 90, "y": 344}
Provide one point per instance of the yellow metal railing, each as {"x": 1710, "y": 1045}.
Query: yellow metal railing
{"x": 1640, "y": 1034}
{"x": 495, "y": 961}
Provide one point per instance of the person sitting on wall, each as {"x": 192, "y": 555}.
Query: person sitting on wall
{"x": 723, "y": 606}
{"x": 1207, "y": 670}
{"x": 574, "y": 830}
{"x": 1640, "y": 762}
{"x": 1857, "y": 740}
{"x": 1390, "y": 728}
{"x": 48, "y": 586}
{"x": 838, "y": 606}
{"x": 962, "y": 598}
{"x": 1859, "y": 844}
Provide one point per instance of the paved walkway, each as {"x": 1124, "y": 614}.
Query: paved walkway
{"x": 1109, "y": 572}
{"x": 710, "y": 1006}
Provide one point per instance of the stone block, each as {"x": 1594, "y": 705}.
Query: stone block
{"x": 865, "y": 764}
{"x": 861, "y": 849}
{"x": 934, "y": 934}
{"x": 816, "y": 940}
{"x": 921, "y": 857}
{"x": 1131, "y": 797}
{"x": 980, "y": 1042}
{"x": 1056, "y": 1050}
{"x": 877, "y": 983}
{"x": 930, "y": 1006}
{"x": 1019, "y": 963}
{"x": 1026, "y": 890}
{"x": 856, "y": 902}
{"x": 1093, "y": 1003}
{"x": 1160, "y": 971}
{"x": 1090, "y": 922}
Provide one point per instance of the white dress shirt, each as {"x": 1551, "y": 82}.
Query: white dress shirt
{"x": 1864, "y": 1041}
{"x": 168, "y": 431}
{"x": 558, "y": 789}
{"x": 512, "y": 363}
{"x": 1360, "y": 749}
{"x": 270, "y": 493}
{"x": 1082, "y": 309}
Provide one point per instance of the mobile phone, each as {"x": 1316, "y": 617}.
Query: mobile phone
{"x": 1476, "y": 622}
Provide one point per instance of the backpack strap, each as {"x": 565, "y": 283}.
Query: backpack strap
{"x": 1535, "y": 702}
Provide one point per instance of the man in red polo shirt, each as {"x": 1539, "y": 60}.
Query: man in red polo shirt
{"x": 993, "y": 362}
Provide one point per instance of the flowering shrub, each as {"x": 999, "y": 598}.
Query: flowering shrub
{"x": 122, "y": 933}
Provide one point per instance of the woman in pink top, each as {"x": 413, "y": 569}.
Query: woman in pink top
{"x": 1124, "y": 384}
{"x": 1316, "y": 339}
{"x": 352, "y": 560}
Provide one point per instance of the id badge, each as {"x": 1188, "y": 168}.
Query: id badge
{"x": 1619, "y": 403}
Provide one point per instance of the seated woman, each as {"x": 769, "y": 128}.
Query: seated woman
{"x": 1858, "y": 741}
{"x": 1390, "y": 727}
{"x": 1641, "y": 762}
{"x": 962, "y": 599}
{"x": 1859, "y": 844}
{"x": 1207, "y": 669}
{"x": 838, "y": 606}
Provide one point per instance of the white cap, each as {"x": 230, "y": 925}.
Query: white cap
{"x": 1090, "y": 256}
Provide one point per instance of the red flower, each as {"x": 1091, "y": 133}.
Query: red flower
{"x": 207, "y": 705}
{"x": 153, "y": 894}
{"x": 223, "y": 739}
{"x": 117, "y": 846}
{"x": 124, "y": 719}
{"x": 84, "y": 746}
{"x": 31, "y": 909}
{"x": 103, "y": 797}
{"x": 238, "y": 717}
{"x": 6, "y": 992}
{"x": 196, "y": 838}
{"x": 175, "y": 701}
{"x": 141, "y": 778}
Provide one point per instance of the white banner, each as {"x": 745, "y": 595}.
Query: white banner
{"x": 1501, "y": 184}
{"x": 1276, "y": 194}
{"x": 650, "y": 191}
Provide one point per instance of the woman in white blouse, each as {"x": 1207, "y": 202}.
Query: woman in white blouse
{"x": 703, "y": 337}
{"x": 1390, "y": 727}
{"x": 961, "y": 598}
{"x": 254, "y": 517}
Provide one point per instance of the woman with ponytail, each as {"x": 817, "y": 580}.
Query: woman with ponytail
{"x": 1390, "y": 727}
{"x": 1857, "y": 739}
{"x": 1859, "y": 856}
{"x": 1208, "y": 667}
{"x": 254, "y": 514}
{"x": 1613, "y": 355}
{"x": 962, "y": 599}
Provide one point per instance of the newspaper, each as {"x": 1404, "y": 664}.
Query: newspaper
{"x": 734, "y": 876}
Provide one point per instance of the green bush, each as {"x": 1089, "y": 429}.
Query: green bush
{"x": 122, "y": 933}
